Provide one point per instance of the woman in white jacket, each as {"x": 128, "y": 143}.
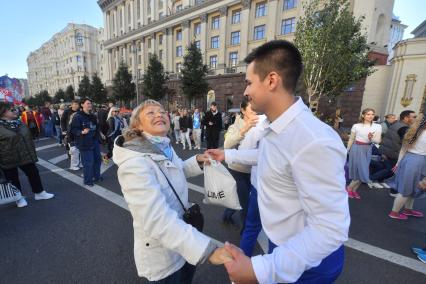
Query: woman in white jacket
{"x": 166, "y": 248}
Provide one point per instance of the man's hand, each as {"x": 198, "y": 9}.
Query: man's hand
{"x": 85, "y": 131}
{"x": 216, "y": 154}
{"x": 220, "y": 256}
{"x": 203, "y": 158}
{"x": 240, "y": 269}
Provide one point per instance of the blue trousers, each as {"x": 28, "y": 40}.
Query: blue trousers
{"x": 182, "y": 276}
{"x": 48, "y": 128}
{"x": 327, "y": 271}
{"x": 91, "y": 160}
{"x": 243, "y": 190}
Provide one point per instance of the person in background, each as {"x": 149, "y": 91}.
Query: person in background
{"x": 363, "y": 134}
{"x": 389, "y": 120}
{"x": 410, "y": 172}
{"x": 185, "y": 123}
{"x": 84, "y": 128}
{"x": 70, "y": 146}
{"x": 31, "y": 119}
{"x": 176, "y": 126}
{"x": 57, "y": 123}
{"x": 196, "y": 128}
{"x": 241, "y": 173}
{"x": 17, "y": 150}
{"x": 213, "y": 123}
{"x": 47, "y": 120}
{"x": 102, "y": 116}
{"x": 167, "y": 249}
{"x": 115, "y": 127}
{"x": 61, "y": 110}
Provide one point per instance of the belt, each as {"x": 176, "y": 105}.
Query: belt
{"x": 361, "y": 143}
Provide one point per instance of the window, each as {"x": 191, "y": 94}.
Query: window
{"x": 214, "y": 42}
{"x": 213, "y": 61}
{"x": 179, "y": 8}
{"x": 233, "y": 59}
{"x": 259, "y": 32}
{"x": 215, "y": 23}
{"x": 179, "y": 35}
{"x": 139, "y": 59}
{"x": 288, "y": 26}
{"x": 235, "y": 38}
{"x": 197, "y": 29}
{"x": 129, "y": 14}
{"x": 149, "y": 43}
{"x": 79, "y": 39}
{"x": 160, "y": 39}
{"x": 236, "y": 17}
{"x": 160, "y": 4}
{"x": 178, "y": 51}
{"x": 78, "y": 57}
{"x": 198, "y": 44}
{"x": 160, "y": 15}
{"x": 160, "y": 55}
{"x": 260, "y": 9}
{"x": 178, "y": 67}
{"x": 289, "y": 4}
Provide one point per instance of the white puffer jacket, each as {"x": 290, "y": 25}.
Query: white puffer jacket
{"x": 163, "y": 241}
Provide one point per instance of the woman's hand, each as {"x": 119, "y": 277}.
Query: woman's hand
{"x": 220, "y": 256}
{"x": 370, "y": 136}
{"x": 203, "y": 159}
{"x": 249, "y": 124}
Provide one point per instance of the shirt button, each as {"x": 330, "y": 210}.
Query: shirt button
{"x": 147, "y": 244}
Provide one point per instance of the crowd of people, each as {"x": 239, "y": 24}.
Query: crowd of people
{"x": 277, "y": 160}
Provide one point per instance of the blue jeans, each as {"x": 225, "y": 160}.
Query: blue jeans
{"x": 384, "y": 170}
{"x": 182, "y": 276}
{"x": 91, "y": 160}
{"x": 58, "y": 133}
{"x": 327, "y": 271}
{"x": 48, "y": 128}
{"x": 243, "y": 190}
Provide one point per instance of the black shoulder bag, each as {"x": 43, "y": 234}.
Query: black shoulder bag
{"x": 192, "y": 215}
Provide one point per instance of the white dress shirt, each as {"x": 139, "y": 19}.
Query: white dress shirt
{"x": 301, "y": 193}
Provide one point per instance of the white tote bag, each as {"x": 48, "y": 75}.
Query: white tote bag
{"x": 8, "y": 192}
{"x": 220, "y": 186}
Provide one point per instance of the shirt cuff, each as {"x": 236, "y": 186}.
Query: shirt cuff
{"x": 260, "y": 269}
{"x": 229, "y": 155}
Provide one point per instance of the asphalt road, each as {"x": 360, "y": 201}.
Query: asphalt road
{"x": 81, "y": 236}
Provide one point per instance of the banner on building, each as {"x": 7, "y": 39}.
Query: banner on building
{"x": 11, "y": 90}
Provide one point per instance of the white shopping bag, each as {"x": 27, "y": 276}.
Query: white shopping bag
{"x": 220, "y": 186}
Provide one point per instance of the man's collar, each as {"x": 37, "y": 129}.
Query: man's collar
{"x": 286, "y": 117}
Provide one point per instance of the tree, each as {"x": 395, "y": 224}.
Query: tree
{"x": 43, "y": 97}
{"x": 59, "y": 95}
{"x": 69, "y": 94}
{"x": 122, "y": 85}
{"x": 154, "y": 79}
{"x": 85, "y": 88}
{"x": 333, "y": 47}
{"x": 99, "y": 94}
{"x": 194, "y": 72}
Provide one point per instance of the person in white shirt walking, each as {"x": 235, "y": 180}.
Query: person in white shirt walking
{"x": 360, "y": 148}
{"x": 303, "y": 205}
{"x": 176, "y": 126}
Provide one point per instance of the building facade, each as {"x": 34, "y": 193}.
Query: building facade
{"x": 64, "y": 59}
{"x": 396, "y": 35}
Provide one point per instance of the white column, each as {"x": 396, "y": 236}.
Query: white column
{"x": 154, "y": 44}
{"x": 170, "y": 49}
{"x": 125, "y": 18}
{"x": 203, "y": 37}
{"x": 186, "y": 39}
{"x": 116, "y": 31}
{"x": 106, "y": 25}
{"x": 222, "y": 38}
{"x": 245, "y": 14}
{"x": 272, "y": 17}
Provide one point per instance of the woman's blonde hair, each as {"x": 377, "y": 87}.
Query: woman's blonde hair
{"x": 361, "y": 119}
{"x": 414, "y": 131}
{"x": 112, "y": 109}
{"x": 133, "y": 130}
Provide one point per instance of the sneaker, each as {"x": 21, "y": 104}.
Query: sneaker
{"x": 350, "y": 193}
{"x": 21, "y": 202}
{"x": 74, "y": 168}
{"x": 43, "y": 195}
{"x": 385, "y": 185}
{"x": 412, "y": 213}
{"x": 89, "y": 184}
{"x": 100, "y": 179}
{"x": 397, "y": 215}
{"x": 422, "y": 257}
{"x": 177, "y": 142}
{"x": 393, "y": 192}
{"x": 418, "y": 250}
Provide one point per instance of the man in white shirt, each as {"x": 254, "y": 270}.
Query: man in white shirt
{"x": 301, "y": 183}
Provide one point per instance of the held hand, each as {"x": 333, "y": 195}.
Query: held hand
{"x": 370, "y": 136}
{"x": 85, "y": 131}
{"x": 216, "y": 154}
{"x": 203, "y": 158}
{"x": 422, "y": 185}
{"x": 220, "y": 256}
{"x": 240, "y": 269}
{"x": 394, "y": 168}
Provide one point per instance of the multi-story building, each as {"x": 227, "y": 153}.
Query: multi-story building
{"x": 224, "y": 30}
{"x": 396, "y": 35}
{"x": 64, "y": 59}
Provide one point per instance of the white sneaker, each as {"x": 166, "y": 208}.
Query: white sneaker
{"x": 43, "y": 195}
{"x": 177, "y": 142}
{"x": 21, "y": 202}
{"x": 74, "y": 168}
{"x": 183, "y": 147}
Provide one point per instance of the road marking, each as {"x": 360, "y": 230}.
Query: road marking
{"x": 58, "y": 159}
{"x": 104, "y": 167}
{"x": 118, "y": 200}
{"x": 47, "y": 147}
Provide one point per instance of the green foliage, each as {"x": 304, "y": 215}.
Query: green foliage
{"x": 85, "y": 88}
{"x": 59, "y": 95}
{"x": 69, "y": 94}
{"x": 154, "y": 79}
{"x": 333, "y": 47}
{"x": 99, "y": 94}
{"x": 194, "y": 84}
{"x": 123, "y": 87}
{"x": 39, "y": 99}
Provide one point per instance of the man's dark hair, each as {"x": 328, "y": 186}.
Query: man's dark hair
{"x": 84, "y": 100}
{"x": 405, "y": 114}
{"x": 213, "y": 104}
{"x": 75, "y": 102}
{"x": 280, "y": 56}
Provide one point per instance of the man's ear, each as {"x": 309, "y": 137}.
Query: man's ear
{"x": 273, "y": 80}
